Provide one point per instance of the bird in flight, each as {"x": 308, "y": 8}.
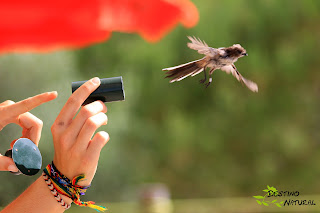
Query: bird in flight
{"x": 222, "y": 58}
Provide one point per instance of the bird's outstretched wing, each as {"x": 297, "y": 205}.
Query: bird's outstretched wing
{"x": 233, "y": 70}
{"x": 202, "y": 47}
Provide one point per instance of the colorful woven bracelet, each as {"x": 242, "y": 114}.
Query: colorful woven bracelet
{"x": 66, "y": 183}
{"x": 69, "y": 188}
{"x": 54, "y": 191}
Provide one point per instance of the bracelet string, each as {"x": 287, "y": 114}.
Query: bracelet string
{"x": 69, "y": 188}
{"x": 54, "y": 192}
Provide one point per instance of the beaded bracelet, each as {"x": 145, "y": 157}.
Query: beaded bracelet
{"x": 54, "y": 191}
{"x": 69, "y": 188}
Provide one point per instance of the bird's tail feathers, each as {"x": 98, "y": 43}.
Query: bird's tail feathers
{"x": 182, "y": 71}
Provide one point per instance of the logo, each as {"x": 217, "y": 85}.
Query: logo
{"x": 272, "y": 198}
{"x": 269, "y": 191}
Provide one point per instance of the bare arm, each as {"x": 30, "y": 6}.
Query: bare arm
{"x": 77, "y": 150}
{"x": 11, "y": 112}
{"x": 36, "y": 198}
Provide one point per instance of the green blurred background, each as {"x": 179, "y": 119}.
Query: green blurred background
{"x": 220, "y": 142}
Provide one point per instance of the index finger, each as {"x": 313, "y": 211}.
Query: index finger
{"x": 75, "y": 101}
{"x": 28, "y": 104}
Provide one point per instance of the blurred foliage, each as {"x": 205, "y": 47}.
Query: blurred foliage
{"x": 216, "y": 142}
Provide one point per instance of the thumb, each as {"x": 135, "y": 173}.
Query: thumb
{"x": 7, "y": 164}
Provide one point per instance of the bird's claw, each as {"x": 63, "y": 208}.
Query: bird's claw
{"x": 207, "y": 84}
{"x": 202, "y": 80}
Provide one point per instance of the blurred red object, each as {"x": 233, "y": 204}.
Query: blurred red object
{"x": 37, "y": 25}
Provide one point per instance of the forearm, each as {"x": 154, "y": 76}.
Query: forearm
{"x": 76, "y": 155}
{"x": 36, "y": 198}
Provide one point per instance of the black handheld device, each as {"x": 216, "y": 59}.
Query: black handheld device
{"x": 110, "y": 89}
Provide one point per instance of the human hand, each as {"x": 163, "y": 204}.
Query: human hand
{"x": 11, "y": 112}
{"x": 76, "y": 148}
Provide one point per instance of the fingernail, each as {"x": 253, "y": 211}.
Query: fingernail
{"x": 96, "y": 80}
{"x": 12, "y": 168}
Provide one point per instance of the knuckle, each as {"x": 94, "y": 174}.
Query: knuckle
{"x": 72, "y": 100}
{"x": 59, "y": 125}
{"x": 86, "y": 111}
{"x": 54, "y": 128}
{"x": 38, "y": 123}
{"x": 103, "y": 137}
{"x": 90, "y": 123}
{"x": 8, "y": 102}
{"x": 101, "y": 105}
{"x": 26, "y": 104}
{"x": 87, "y": 88}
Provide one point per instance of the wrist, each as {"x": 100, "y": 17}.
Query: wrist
{"x": 66, "y": 204}
{"x": 66, "y": 199}
{"x": 68, "y": 188}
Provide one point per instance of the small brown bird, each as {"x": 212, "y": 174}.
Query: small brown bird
{"x": 220, "y": 58}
